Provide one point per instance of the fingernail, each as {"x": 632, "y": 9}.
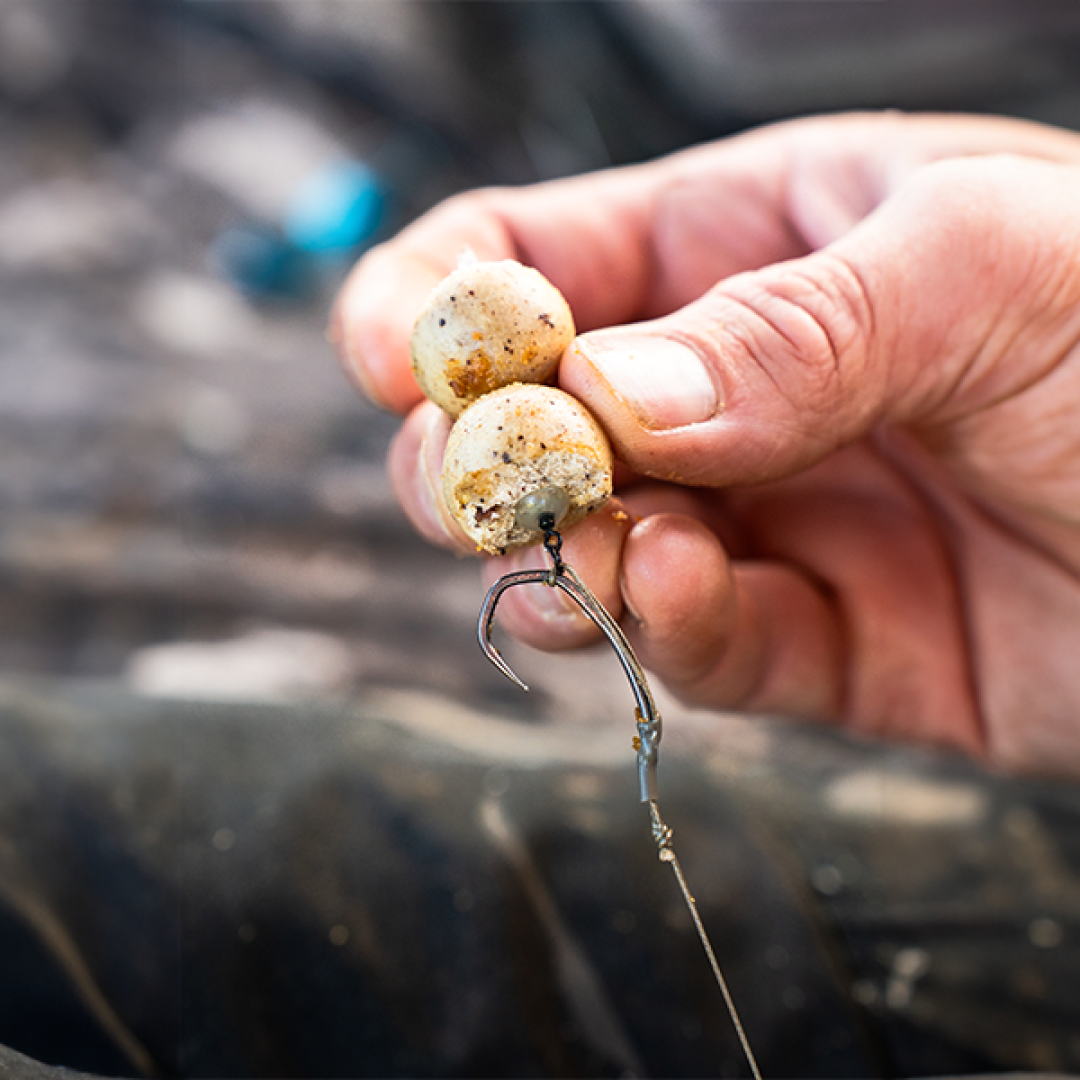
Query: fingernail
{"x": 662, "y": 381}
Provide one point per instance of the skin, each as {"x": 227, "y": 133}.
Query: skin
{"x": 839, "y": 360}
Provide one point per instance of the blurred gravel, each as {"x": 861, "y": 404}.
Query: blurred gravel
{"x": 177, "y": 462}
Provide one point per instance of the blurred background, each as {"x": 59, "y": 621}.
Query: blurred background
{"x": 192, "y": 499}
{"x": 182, "y": 187}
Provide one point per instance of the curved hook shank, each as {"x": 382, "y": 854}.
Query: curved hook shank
{"x": 563, "y": 577}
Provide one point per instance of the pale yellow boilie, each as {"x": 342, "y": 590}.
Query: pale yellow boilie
{"x": 490, "y": 335}
{"x": 517, "y": 452}
{"x": 487, "y": 325}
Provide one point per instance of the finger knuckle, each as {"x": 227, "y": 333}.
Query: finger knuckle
{"x": 809, "y": 329}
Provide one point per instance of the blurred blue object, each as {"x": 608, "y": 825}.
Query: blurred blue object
{"x": 259, "y": 262}
{"x": 336, "y": 209}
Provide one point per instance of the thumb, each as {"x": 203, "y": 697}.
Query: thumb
{"x": 955, "y": 294}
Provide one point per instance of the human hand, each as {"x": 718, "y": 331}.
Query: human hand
{"x": 846, "y": 406}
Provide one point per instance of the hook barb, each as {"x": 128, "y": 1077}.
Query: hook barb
{"x": 487, "y": 617}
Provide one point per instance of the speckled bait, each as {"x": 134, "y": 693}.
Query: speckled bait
{"x": 486, "y": 325}
{"x": 510, "y": 447}
{"x": 485, "y": 348}
{"x": 541, "y": 512}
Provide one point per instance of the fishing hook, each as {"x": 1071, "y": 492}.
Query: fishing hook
{"x": 649, "y": 724}
{"x": 562, "y": 576}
